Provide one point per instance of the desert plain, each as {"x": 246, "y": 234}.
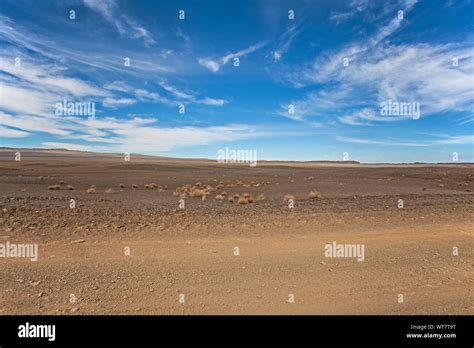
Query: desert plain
{"x": 157, "y": 235}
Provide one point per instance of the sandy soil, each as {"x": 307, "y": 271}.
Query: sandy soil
{"x": 191, "y": 251}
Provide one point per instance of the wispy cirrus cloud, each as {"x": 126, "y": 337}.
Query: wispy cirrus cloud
{"x": 12, "y": 133}
{"x": 377, "y": 71}
{"x": 109, "y": 10}
{"x": 175, "y": 95}
{"x": 284, "y": 43}
{"x": 447, "y": 139}
{"x": 215, "y": 64}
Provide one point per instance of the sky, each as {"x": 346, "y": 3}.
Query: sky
{"x": 291, "y": 80}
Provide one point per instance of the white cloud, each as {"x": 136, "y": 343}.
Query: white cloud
{"x": 212, "y": 101}
{"x": 12, "y": 133}
{"x": 354, "y": 8}
{"x": 215, "y": 64}
{"x": 284, "y": 44}
{"x": 458, "y": 140}
{"x": 448, "y": 139}
{"x": 379, "y": 71}
{"x": 380, "y": 142}
{"x": 126, "y": 136}
{"x": 108, "y": 9}
{"x": 116, "y": 102}
{"x": 51, "y": 125}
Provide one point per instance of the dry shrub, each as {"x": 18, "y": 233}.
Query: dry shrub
{"x": 311, "y": 178}
{"x": 224, "y": 194}
{"x": 243, "y": 200}
{"x": 70, "y": 187}
{"x": 261, "y": 197}
{"x": 61, "y": 182}
{"x": 134, "y": 186}
{"x": 197, "y": 192}
{"x": 248, "y": 197}
{"x": 54, "y": 187}
{"x": 91, "y": 190}
{"x": 220, "y": 197}
{"x": 121, "y": 186}
{"x": 40, "y": 178}
{"x": 235, "y": 198}
{"x": 109, "y": 190}
{"x": 313, "y": 194}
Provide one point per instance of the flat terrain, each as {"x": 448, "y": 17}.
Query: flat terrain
{"x": 192, "y": 251}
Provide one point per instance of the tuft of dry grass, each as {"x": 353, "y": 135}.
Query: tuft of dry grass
{"x": 248, "y": 197}
{"x": 313, "y": 194}
{"x": 197, "y": 192}
{"x": 261, "y": 197}
{"x": 54, "y": 187}
{"x": 220, "y": 197}
{"x": 40, "y": 178}
{"x": 121, "y": 186}
{"x": 134, "y": 186}
{"x": 288, "y": 197}
{"x": 61, "y": 182}
{"x": 243, "y": 200}
{"x": 91, "y": 190}
{"x": 70, "y": 187}
{"x": 223, "y": 193}
{"x": 109, "y": 190}
{"x": 234, "y": 198}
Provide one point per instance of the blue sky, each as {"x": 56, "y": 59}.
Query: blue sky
{"x": 336, "y": 63}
